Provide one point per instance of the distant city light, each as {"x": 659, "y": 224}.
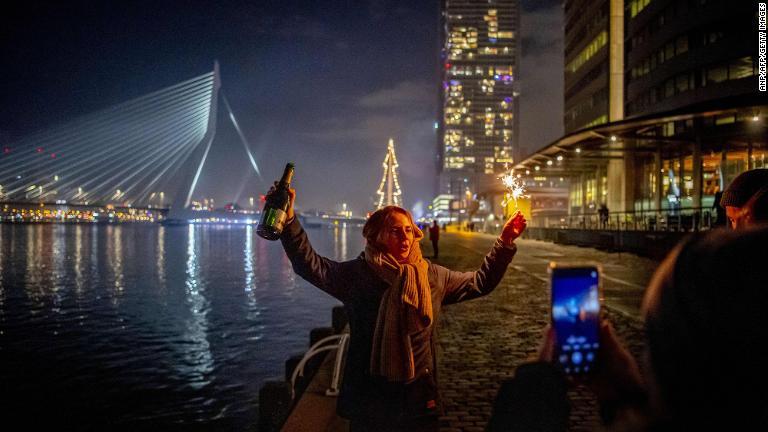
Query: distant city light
{"x": 549, "y": 162}
{"x": 578, "y": 149}
{"x": 755, "y": 118}
{"x": 560, "y": 157}
{"x": 537, "y": 168}
{"x": 613, "y": 138}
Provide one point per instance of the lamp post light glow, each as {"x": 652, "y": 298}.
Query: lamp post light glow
{"x": 560, "y": 158}
{"x": 613, "y": 138}
{"x": 578, "y": 149}
{"x": 549, "y": 163}
{"x": 537, "y": 168}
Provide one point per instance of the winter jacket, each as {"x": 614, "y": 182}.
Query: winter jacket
{"x": 354, "y": 283}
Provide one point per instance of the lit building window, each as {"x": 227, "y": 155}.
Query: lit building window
{"x": 588, "y": 52}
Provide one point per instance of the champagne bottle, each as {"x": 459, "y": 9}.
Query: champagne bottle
{"x": 275, "y": 211}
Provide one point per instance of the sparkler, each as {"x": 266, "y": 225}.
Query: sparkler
{"x": 515, "y": 188}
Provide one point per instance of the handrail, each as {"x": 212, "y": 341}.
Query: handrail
{"x": 678, "y": 219}
{"x": 319, "y": 347}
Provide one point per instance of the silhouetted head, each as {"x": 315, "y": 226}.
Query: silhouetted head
{"x": 706, "y": 317}
{"x": 745, "y": 200}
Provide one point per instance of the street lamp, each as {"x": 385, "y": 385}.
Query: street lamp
{"x": 613, "y": 138}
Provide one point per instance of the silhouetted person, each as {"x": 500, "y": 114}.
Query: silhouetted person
{"x": 434, "y": 237}
{"x": 705, "y": 322}
{"x": 720, "y": 218}
{"x": 603, "y": 213}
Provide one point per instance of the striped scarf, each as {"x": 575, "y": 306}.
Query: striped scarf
{"x": 405, "y": 309}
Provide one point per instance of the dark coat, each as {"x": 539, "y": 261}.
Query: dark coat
{"x": 356, "y": 285}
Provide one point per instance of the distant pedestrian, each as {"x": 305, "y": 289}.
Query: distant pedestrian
{"x": 603, "y": 213}
{"x": 745, "y": 200}
{"x": 434, "y": 237}
{"x": 719, "y": 211}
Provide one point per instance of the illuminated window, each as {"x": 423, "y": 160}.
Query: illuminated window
{"x": 455, "y": 162}
{"x": 588, "y": 52}
{"x": 741, "y": 68}
{"x": 598, "y": 121}
{"x": 636, "y": 6}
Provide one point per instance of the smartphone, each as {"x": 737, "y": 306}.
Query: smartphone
{"x": 576, "y": 293}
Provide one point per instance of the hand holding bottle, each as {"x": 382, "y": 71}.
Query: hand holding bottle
{"x": 291, "y": 195}
{"x": 278, "y": 207}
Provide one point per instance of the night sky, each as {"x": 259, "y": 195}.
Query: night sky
{"x": 320, "y": 83}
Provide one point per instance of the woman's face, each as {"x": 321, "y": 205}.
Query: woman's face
{"x": 398, "y": 236}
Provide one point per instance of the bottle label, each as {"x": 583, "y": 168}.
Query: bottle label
{"x": 275, "y": 218}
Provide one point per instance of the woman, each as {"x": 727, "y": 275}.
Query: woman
{"x": 393, "y": 298}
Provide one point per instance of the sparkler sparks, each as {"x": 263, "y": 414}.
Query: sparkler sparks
{"x": 515, "y": 188}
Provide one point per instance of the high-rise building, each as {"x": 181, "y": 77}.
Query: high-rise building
{"x": 593, "y": 63}
{"x": 477, "y": 125}
{"x": 663, "y": 108}
{"x": 682, "y": 53}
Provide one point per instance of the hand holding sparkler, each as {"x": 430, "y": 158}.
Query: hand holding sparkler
{"x": 513, "y": 228}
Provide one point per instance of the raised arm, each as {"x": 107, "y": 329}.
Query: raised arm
{"x": 315, "y": 269}
{"x": 462, "y": 286}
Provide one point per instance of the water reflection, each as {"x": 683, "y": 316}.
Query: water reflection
{"x": 196, "y": 331}
{"x": 79, "y": 273}
{"x": 199, "y": 362}
{"x": 115, "y": 254}
{"x": 340, "y": 234}
{"x": 160, "y": 258}
{"x": 32, "y": 276}
{"x": 2, "y": 287}
{"x": 58, "y": 258}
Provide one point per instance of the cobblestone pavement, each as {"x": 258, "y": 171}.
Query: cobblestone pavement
{"x": 482, "y": 341}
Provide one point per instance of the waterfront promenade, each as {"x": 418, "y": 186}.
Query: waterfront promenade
{"x": 481, "y": 342}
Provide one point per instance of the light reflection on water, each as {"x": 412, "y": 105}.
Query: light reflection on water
{"x": 151, "y": 326}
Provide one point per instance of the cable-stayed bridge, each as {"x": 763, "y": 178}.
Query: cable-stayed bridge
{"x": 144, "y": 153}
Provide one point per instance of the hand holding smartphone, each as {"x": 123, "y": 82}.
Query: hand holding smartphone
{"x": 576, "y": 297}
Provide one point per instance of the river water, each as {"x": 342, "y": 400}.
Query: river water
{"x": 147, "y": 327}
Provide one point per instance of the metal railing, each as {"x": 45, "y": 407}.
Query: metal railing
{"x": 322, "y": 346}
{"x": 681, "y": 219}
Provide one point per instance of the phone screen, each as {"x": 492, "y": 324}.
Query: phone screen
{"x": 576, "y": 317}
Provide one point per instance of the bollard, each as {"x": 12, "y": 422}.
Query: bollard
{"x": 274, "y": 405}
{"x": 290, "y": 365}
{"x": 319, "y": 333}
{"x": 339, "y": 318}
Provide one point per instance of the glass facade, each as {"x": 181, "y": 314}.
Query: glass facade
{"x": 478, "y": 123}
